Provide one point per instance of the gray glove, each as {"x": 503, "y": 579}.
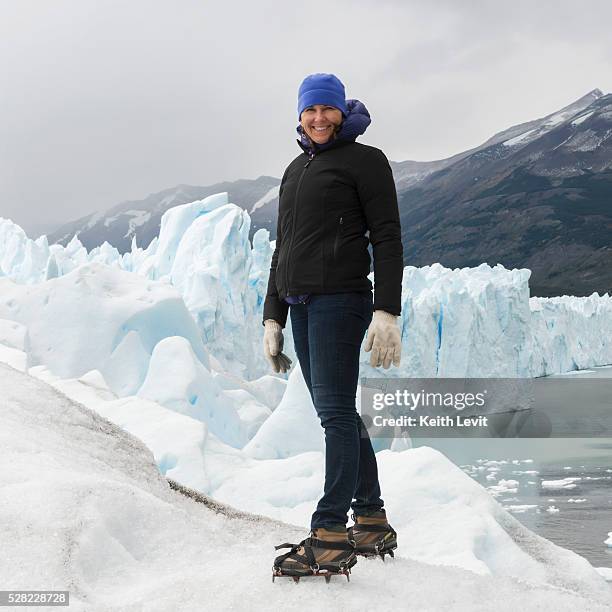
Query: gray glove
{"x": 384, "y": 340}
{"x": 273, "y": 345}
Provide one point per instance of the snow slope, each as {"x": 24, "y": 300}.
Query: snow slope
{"x": 84, "y": 508}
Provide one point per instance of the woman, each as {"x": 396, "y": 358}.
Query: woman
{"x": 330, "y": 196}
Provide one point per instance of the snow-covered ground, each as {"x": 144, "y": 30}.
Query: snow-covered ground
{"x": 85, "y": 509}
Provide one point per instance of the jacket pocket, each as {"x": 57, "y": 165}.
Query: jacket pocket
{"x": 339, "y": 227}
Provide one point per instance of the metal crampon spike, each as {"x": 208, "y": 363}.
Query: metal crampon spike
{"x": 327, "y": 575}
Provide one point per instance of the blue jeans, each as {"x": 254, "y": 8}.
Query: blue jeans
{"x": 328, "y": 330}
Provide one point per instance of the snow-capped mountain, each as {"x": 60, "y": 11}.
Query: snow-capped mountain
{"x": 537, "y": 195}
{"x": 407, "y": 173}
{"x": 140, "y": 219}
{"x": 533, "y": 195}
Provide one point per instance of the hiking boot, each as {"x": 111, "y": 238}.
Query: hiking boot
{"x": 372, "y": 534}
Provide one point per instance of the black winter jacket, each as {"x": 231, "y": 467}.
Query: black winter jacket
{"x": 327, "y": 204}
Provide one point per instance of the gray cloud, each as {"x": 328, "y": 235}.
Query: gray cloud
{"x": 107, "y": 101}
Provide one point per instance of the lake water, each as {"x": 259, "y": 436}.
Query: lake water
{"x": 575, "y": 511}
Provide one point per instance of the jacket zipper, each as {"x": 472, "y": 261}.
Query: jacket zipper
{"x": 337, "y": 237}
{"x": 295, "y": 206}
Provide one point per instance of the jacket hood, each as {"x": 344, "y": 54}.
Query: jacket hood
{"x": 354, "y": 124}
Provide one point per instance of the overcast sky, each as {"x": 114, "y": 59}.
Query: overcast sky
{"x": 103, "y": 101}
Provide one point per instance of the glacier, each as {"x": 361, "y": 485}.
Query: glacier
{"x": 473, "y": 322}
{"x": 166, "y": 343}
{"x": 179, "y": 324}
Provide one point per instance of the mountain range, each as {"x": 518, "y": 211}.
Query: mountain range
{"x": 537, "y": 195}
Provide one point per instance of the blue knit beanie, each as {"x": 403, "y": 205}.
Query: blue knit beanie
{"x": 321, "y": 88}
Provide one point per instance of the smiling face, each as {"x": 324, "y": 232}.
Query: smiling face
{"x": 320, "y": 122}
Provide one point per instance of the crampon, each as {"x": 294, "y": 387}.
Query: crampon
{"x": 321, "y": 558}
